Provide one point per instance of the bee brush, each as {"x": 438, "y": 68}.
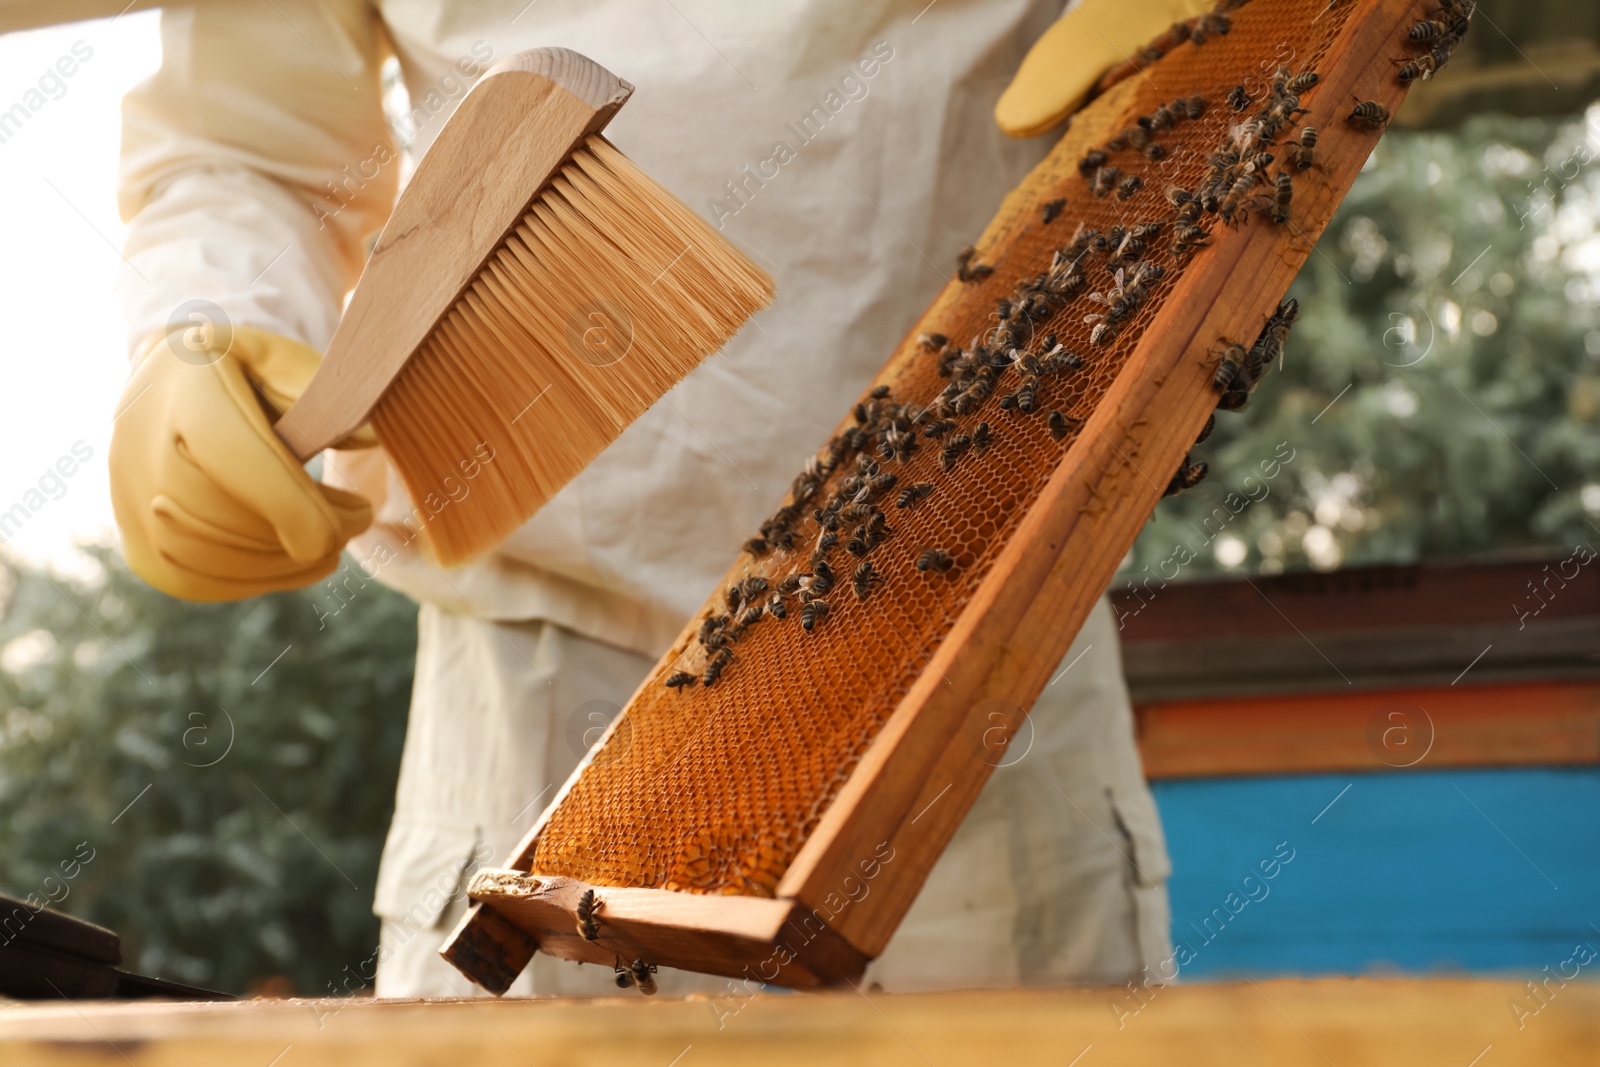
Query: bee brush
{"x": 531, "y": 296}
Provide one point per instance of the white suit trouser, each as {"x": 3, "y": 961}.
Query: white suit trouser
{"x": 1058, "y": 875}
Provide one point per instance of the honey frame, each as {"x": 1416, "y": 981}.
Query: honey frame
{"x": 912, "y": 788}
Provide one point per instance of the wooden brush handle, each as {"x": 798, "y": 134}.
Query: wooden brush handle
{"x": 513, "y": 132}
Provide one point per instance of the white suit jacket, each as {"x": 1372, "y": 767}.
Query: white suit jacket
{"x": 846, "y": 145}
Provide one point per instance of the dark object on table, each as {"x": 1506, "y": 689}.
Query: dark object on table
{"x": 45, "y": 955}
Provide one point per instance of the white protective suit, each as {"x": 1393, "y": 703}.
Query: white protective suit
{"x": 849, "y": 147}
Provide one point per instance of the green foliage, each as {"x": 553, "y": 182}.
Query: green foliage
{"x": 254, "y": 850}
{"x": 1454, "y": 296}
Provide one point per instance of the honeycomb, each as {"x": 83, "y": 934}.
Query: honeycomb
{"x": 714, "y": 788}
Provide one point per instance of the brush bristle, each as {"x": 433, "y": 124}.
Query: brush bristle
{"x": 607, "y": 293}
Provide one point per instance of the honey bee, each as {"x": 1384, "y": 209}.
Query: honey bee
{"x": 1304, "y": 153}
{"x": 1024, "y": 399}
{"x": 715, "y": 666}
{"x": 865, "y": 579}
{"x": 995, "y": 360}
{"x": 1282, "y": 193}
{"x": 1238, "y": 98}
{"x": 968, "y": 271}
{"x": 1212, "y": 23}
{"x": 974, "y": 396}
{"x": 1427, "y": 30}
{"x": 757, "y": 546}
{"x": 1237, "y": 194}
{"x": 1154, "y": 153}
{"x": 1178, "y": 197}
{"x": 954, "y": 449}
{"x": 938, "y": 428}
{"x": 1092, "y": 161}
{"x": 1128, "y": 186}
{"x": 680, "y": 680}
{"x": 588, "y": 924}
{"x": 1130, "y": 248}
{"x": 1228, "y": 367}
{"x": 1301, "y": 82}
{"x": 934, "y": 559}
{"x": 1236, "y": 398}
{"x": 982, "y": 438}
{"x": 1103, "y": 333}
{"x": 710, "y": 626}
{"x": 1144, "y": 275}
{"x": 1188, "y": 476}
{"x": 1275, "y": 333}
{"x": 643, "y": 976}
{"x": 1105, "y": 179}
{"x": 752, "y": 615}
{"x": 776, "y": 607}
{"x": 1163, "y": 117}
{"x": 898, "y": 445}
{"x": 1257, "y": 362}
{"x": 1258, "y": 162}
{"x": 855, "y": 511}
{"x": 1061, "y": 425}
{"x": 790, "y": 585}
{"x": 1193, "y": 107}
{"x": 812, "y": 613}
{"x": 1056, "y": 358}
{"x": 752, "y": 587}
{"x": 1223, "y": 158}
{"x": 1420, "y": 67}
{"x": 933, "y": 342}
{"x": 1187, "y": 239}
{"x": 1205, "y": 431}
{"x": 1052, "y": 210}
{"x": 912, "y": 494}
{"x": 1368, "y": 115}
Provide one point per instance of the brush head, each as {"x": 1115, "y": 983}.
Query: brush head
{"x": 601, "y": 299}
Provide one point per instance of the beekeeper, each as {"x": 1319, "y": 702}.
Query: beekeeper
{"x": 258, "y": 162}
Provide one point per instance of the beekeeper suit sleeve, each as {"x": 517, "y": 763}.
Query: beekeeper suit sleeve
{"x": 255, "y": 164}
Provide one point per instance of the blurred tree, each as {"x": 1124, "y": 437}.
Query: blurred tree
{"x": 231, "y": 766}
{"x": 1441, "y": 391}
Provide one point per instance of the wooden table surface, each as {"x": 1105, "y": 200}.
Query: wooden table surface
{"x": 1284, "y": 1023}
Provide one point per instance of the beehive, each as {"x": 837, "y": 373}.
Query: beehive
{"x": 816, "y": 745}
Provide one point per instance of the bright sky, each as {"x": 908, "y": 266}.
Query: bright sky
{"x": 65, "y": 355}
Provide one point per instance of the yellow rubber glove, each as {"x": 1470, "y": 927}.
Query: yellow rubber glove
{"x": 211, "y": 504}
{"x": 1063, "y": 65}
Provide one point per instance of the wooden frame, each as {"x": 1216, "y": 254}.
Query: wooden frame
{"x": 913, "y": 787}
